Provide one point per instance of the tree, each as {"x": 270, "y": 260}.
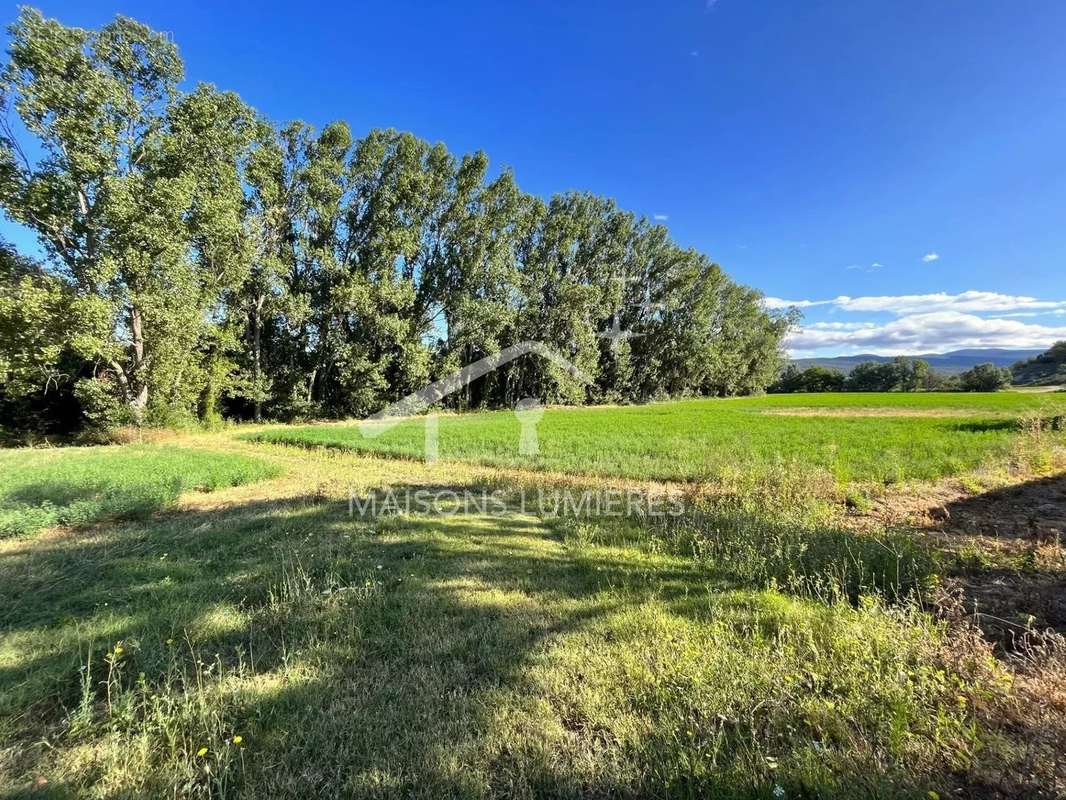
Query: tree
{"x": 940, "y": 382}
{"x": 912, "y": 373}
{"x": 1046, "y": 369}
{"x": 34, "y": 319}
{"x": 899, "y": 375}
{"x": 812, "y": 379}
{"x": 37, "y": 366}
{"x": 872, "y": 376}
{"x": 136, "y": 196}
{"x": 985, "y": 378}
{"x": 200, "y": 260}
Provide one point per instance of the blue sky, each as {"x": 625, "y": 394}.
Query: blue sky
{"x": 897, "y": 168}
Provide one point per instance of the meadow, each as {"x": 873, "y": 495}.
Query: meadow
{"x": 882, "y": 438}
{"x": 41, "y": 488}
{"x": 238, "y": 634}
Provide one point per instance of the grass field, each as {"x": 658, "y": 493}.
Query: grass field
{"x": 257, "y": 641}
{"x": 39, "y": 488}
{"x": 853, "y": 437}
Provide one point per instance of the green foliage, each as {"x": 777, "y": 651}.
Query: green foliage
{"x": 79, "y": 486}
{"x": 1046, "y": 369}
{"x": 899, "y": 375}
{"x": 218, "y": 265}
{"x": 37, "y": 363}
{"x": 136, "y": 198}
{"x": 34, "y": 314}
{"x": 101, "y": 405}
{"x": 812, "y": 379}
{"x": 985, "y": 378}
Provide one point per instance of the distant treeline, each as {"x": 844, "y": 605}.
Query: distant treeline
{"x": 201, "y": 262}
{"x": 899, "y": 375}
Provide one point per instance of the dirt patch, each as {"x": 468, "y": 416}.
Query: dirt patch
{"x": 1004, "y": 547}
{"x": 1008, "y": 605}
{"x": 1033, "y": 511}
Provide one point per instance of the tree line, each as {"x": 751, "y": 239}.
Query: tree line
{"x": 899, "y": 375}
{"x": 202, "y": 261}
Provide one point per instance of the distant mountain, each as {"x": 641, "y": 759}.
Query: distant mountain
{"x": 950, "y": 363}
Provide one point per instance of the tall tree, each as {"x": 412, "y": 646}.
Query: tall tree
{"x": 136, "y": 195}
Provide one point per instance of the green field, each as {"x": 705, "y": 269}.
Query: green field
{"x": 853, "y": 437}
{"x": 40, "y": 488}
{"x": 257, "y": 641}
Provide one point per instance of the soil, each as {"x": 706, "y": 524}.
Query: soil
{"x": 1006, "y": 544}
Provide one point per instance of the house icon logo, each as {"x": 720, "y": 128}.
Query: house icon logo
{"x": 528, "y": 410}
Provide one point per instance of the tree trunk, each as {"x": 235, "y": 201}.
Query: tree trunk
{"x": 257, "y": 349}
{"x": 137, "y": 388}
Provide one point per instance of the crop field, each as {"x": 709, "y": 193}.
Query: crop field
{"x": 204, "y": 617}
{"x": 854, "y": 438}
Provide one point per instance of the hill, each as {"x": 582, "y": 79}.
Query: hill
{"x": 952, "y": 362}
{"x": 1044, "y": 369}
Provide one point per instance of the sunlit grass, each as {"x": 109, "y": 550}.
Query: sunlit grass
{"x": 465, "y": 656}
{"x": 259, "y": 642}
{"x": 712, "y": 439}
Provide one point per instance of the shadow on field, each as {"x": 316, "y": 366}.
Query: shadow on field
{"x": 1024, "y": 519}
{"x": 1034, "y": 510}
{"x": 385, "y": 643}
{"x": 985, "y": 425}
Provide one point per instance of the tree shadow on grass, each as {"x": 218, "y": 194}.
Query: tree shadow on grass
{"x": 986, "y": 425}
{"x": 388, "y": 654}
{"x": 457, "y": 597}
{"x": 1033, "y": 510}
{"x": 1022, "y": 519}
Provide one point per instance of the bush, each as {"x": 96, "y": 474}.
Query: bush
{"x": 101, "y": 406}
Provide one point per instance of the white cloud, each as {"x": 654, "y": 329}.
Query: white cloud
{"x": 773, "y": 303}
{"x": 839, "y": 326}
{"x": 924, "y": 333}
{"x": 932, "y": 255}
{"x": 660, "y": 216}
{"x": 970, "y": 301}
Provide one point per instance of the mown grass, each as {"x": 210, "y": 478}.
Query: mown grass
{"x": 722, "y": 439}
{"x": 72, "y": 486}
{"x": 512, "y": 655}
